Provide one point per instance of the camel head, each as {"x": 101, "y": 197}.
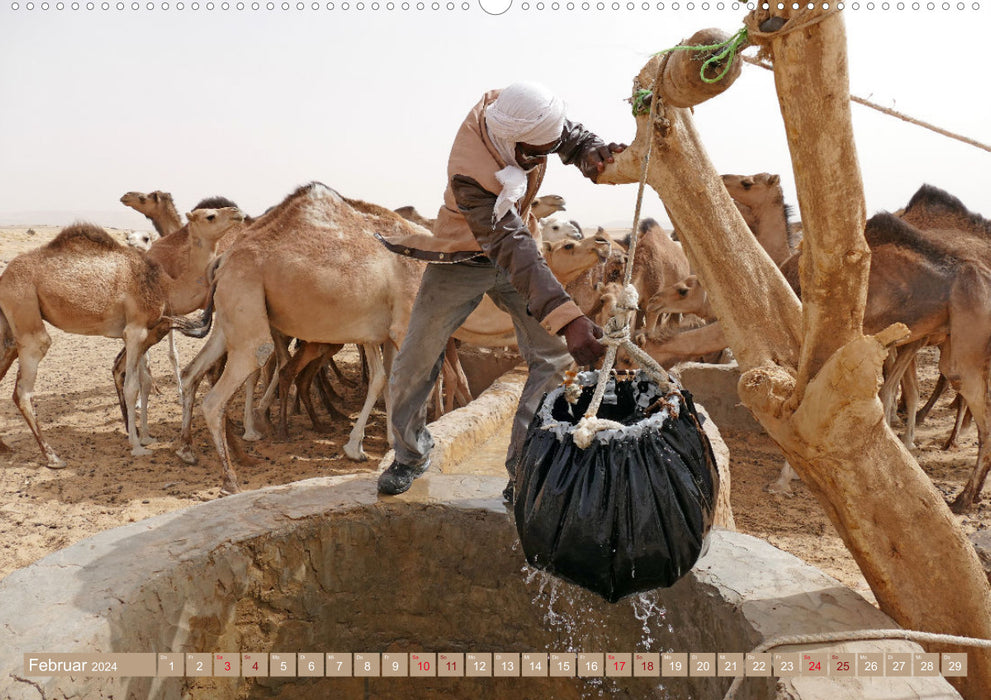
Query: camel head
{"x": 683, "y": 297}
{"x": 552, "y": 230}
{"x": 753, "y": 190}
{"x": 210, "y": 225}
{"x": 147, "y": 204}
{"x": 547, "y": 204}
{"x": 141, "y": 240}
{"x": 569, "y": 258}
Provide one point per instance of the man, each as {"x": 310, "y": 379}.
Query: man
{"x": 484, "y": 237}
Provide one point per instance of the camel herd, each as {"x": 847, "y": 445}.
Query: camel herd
{"x": 930, "y": 269}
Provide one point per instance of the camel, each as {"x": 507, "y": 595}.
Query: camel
{"x": 141, "y": 240}
{"x": 547, "y": 204}
{"x": 85, "y": 282}
{"x": 683, "y": 297}
{"x": 411, "y": 214}
{"x": 552, "y": 230}
{"x": 933, "y": 208}
{"x": 659, "y": 261}
{"x": 357, "y": 292}
{"x": 760, "y": 200}
{"x": 158, "y": 207}
{"x": 171, "y": 248}
{"x": 567, "y": 259}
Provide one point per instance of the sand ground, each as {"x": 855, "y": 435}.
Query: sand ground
{"x": 103, "y": 486}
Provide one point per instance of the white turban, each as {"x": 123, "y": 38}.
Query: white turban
{"x": 523, "y": 113}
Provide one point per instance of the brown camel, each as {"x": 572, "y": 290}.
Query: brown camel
{"x": 659, "y": 261}
{"x": 158, "y": 207}
{"x": 411, "y": 214}
{"x": 683, "y": 297}
{"x": 760, "y": 200}
{"x": 85, "y": 282}
{"x": 938, "y": 283}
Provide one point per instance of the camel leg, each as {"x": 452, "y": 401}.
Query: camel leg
{"x": 376, "y": 382}
{"x": 251, "y": 432}
{"x": 31, "y": 349}
{"x": 896, "y": 369}
{"x": 389, "y": 351}
{"x": 8, "y": 352}
{"x": 174, "y": 356}
{"x": 462, "y": 392}
{"x": 209, "y": 355}
{"x": 308, "y": 353}
{"x": 345, "y": 381}
{"x": 937, "y": 392}
{"x": 134, "y": 339}
{"x": 783, "y": 485}
{"x": 241, "y": 363}
{"x": 318, "y": 370}
{"x": 145, "y": 389}
{"x": 969, "y": 342}
{"x": 963, "y": 414}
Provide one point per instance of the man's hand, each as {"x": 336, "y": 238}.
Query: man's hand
{"x": 580, "y": 335}
{"x": 594, "y": 160}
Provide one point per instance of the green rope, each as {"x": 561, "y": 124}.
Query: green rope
{"x": 728, "y": 48}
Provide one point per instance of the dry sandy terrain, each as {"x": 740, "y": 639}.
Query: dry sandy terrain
{"x": 102, "y": 486}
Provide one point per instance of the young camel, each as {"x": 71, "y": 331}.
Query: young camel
{"x": 85, "y": 282}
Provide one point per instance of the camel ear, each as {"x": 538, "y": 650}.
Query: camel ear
{"x": 774, "y": 179}
{"x": 546, "y": 247}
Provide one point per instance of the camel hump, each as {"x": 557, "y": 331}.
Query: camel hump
{"x": 648, "y": 224}
{"x": 215, "y": 203}
{"x": 931, "y": 196}
{"x": 885, "y": 228}
{"x": 83, "y": 236}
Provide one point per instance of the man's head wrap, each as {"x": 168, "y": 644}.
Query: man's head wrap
{"x": 523, "y": 113}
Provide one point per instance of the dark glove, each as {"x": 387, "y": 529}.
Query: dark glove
{"x": 580, "y": 335}
{"x": 593, "y": 160}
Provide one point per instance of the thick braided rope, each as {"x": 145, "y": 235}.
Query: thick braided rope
{"x": 856, "y": 635}
{"x": 617, "y": 330}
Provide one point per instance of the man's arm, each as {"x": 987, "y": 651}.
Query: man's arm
{"x": 586, "y": 150}
{"x": 509, "y": 244}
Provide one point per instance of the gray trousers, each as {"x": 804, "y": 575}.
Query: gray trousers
{"x": 448, "y": 294}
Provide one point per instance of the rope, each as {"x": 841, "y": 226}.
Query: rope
{"x": 855, "y": 635}
{"x": 617, "y": 331}
{"x": 729, "y": 48}
{"x": 892, "y": 113}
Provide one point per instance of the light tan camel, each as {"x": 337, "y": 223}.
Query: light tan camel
{"x": 566, "y": 259}
{"x": 85, "y": 282}
{"x": 356, "y": 291}
{"x": 760, "y": 200}
{"x": 547, "y": 204}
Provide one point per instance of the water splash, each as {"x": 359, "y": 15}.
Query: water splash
{"x": 647, "y": 610}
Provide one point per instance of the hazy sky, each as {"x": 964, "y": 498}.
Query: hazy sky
{"x": 251, "y": 104}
